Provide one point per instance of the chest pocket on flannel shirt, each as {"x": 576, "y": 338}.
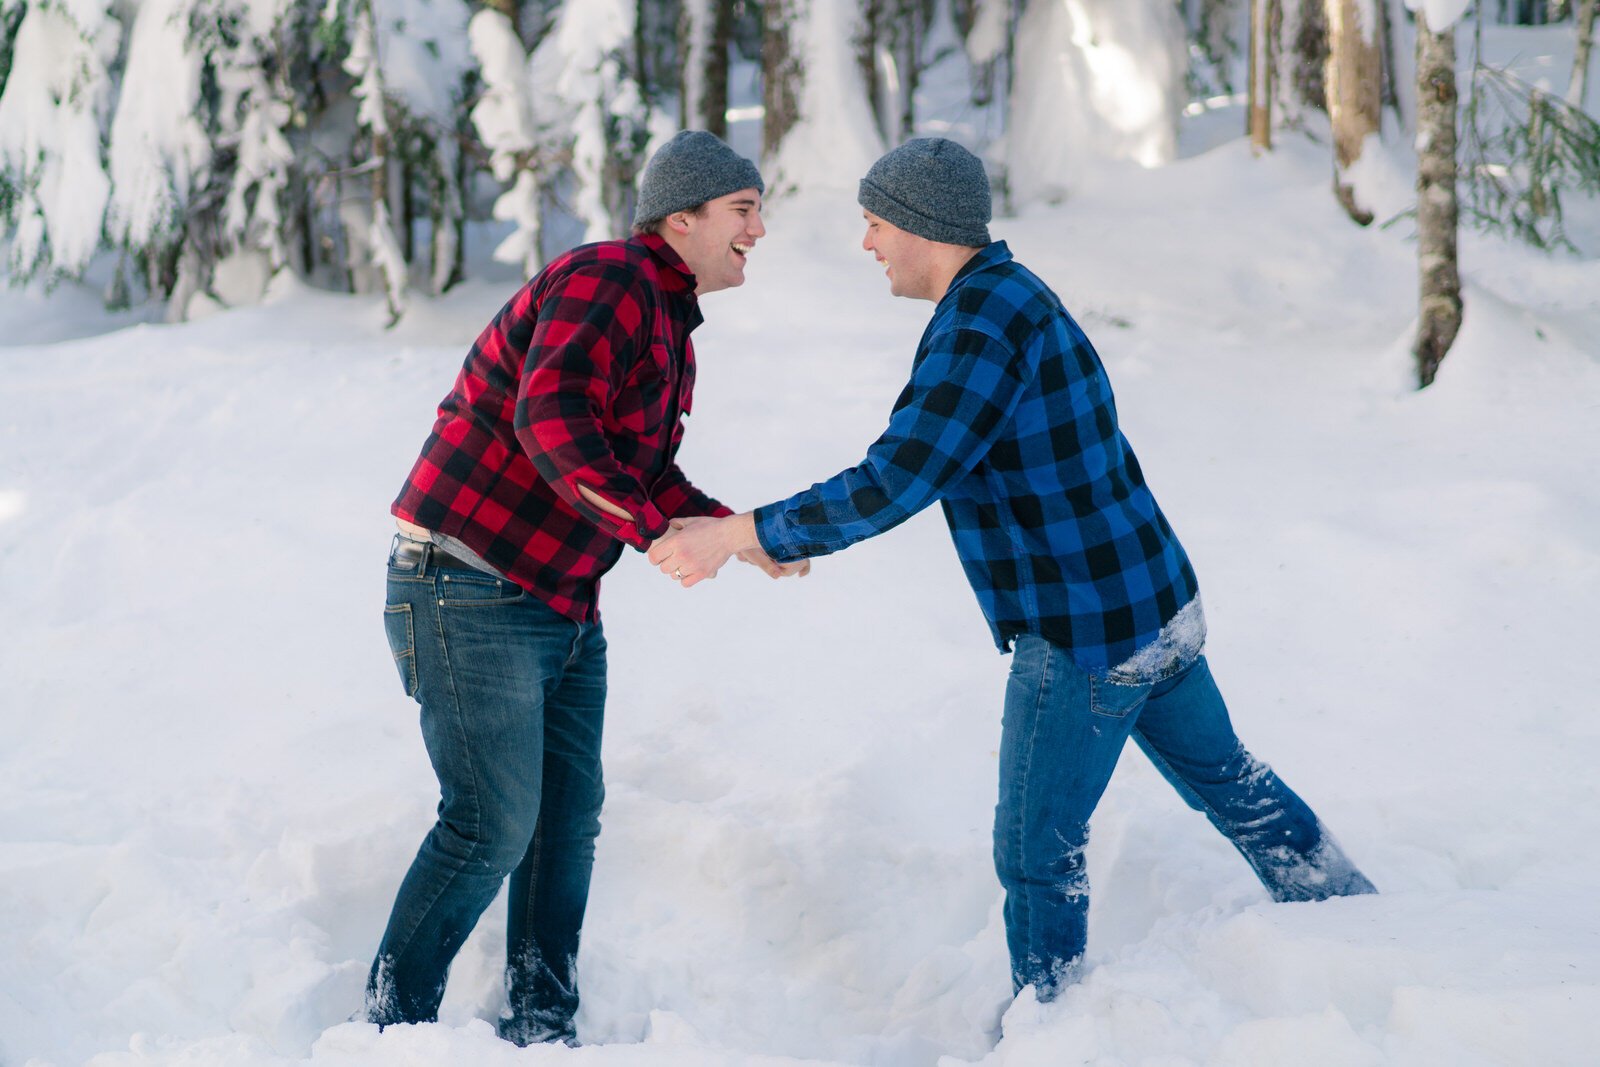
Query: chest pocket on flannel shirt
{"x": 644, "y": 402}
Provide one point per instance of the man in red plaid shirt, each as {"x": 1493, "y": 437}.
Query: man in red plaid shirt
{"x": 555, "y": 448}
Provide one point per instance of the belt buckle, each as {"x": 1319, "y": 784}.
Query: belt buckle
{"x": 410, "y": 552}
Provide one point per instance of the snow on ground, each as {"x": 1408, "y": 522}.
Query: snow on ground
{"x": 211, "y": 782}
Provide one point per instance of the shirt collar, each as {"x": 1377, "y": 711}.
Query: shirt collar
{"x": 990, "y": 255}
{"x": 676, "y": 277}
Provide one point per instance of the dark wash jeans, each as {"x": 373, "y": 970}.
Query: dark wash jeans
{"x": 512, "y": 695}
{"x": 1062, "y": 733}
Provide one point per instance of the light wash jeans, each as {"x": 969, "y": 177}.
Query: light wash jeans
{"x": 513, "y": 695}
{"x": 1062, "y": 733}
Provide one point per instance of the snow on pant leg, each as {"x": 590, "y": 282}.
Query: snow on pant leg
{"x": 486, "y": 654}
{"x": 1060, "y": 739}
{"x": 550, "y": 887}
{"x": 1185, "y": 730}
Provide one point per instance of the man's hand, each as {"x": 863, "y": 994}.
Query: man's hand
{"x": 696, "y": 548}
{"x": 771, "y": 568}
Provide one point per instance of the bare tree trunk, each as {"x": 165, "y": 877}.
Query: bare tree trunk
{"x": 1310, "y": 49}
{"x": 714, "y": 102}
{"x": 910, "y": 61}
{"x": 782, "y": 74}
{"x": 1580, "y": 58}
{"x": 402, "y": 186}
{"x": 1264, "y": 16}
{"x": 694, "y": 44}
{"x": 1439, "y": 288}
{"x": 1391, "y": 87}
{"x": 867, "y": 59}
{"x": 1355, "y": 94}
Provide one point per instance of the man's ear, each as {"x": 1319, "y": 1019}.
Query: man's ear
{"x": 679, "y": 222}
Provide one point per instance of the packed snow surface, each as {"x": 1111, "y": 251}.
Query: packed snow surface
{"x": 211, "y": 782}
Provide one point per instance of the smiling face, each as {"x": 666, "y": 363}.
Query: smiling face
{"x": 917, "y": 267}
{"x": 715, "y": 241}
{"x": 907, "y": 259}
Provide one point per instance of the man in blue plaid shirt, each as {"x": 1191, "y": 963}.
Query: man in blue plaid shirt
{"x": 1008, "y": 421}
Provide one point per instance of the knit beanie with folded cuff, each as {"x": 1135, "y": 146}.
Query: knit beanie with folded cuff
{"x": 931, "y": 187}
{"x": 689, "y": 170}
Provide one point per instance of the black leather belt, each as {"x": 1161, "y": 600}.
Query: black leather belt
{"x": 414, "y": 552}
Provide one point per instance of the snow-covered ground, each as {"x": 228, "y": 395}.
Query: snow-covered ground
{"x": 211, "y": 783}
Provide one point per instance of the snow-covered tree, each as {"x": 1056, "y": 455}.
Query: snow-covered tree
{"x": 705, "y": 30}
{"x": 1354, "y": 86}
{"x": 53, "y": 115}
{"x": 377, "y": 237}
{"x": 11, "y": 12}
{"x": 251, "y": 116}
{"x": 1578, "y": 85}
{"x": 584, "y": 62}
{"x": 160, "y": 153}
{"x": 1218, "y": 37}
{"x": 409, "y": 61}
{"x": 509, "y": 128}
{"x": 893, "y": 34}
{"x": 1095, "y": 79}
{"x": 1439, "y": 278}
{"x": 819, "y": 128}
{"x": 1265, "y": 22}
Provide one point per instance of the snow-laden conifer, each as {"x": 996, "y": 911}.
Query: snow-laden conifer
{"x": 242, "y": 40}
{"x": 1094, "y": 79}
{"x": 585, "y": 59}
{"x": 510, "y": 129}
{"x": 828, "y": 136}
{"x": 159, "y": 151}
{"x": 53, "y": 115}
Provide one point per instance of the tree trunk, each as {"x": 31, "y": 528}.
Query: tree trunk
{"x": 1391, "y": 87}
{"x": 1264, "y": 15}
{"x": 867, "y": 59}
{"x": 1310, "y": 50}
{"x": 1580, "y": 58}
{"x": 714, "y": 102}
{"x": 1355, "y": 94}
{"x": 782, "y": 73}
{"x": 694, "y": 43}
{"x": 1439, "y": 289}
{"x": 908, "y": 58}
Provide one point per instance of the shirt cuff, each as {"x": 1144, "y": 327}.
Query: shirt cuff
{"x": 648, "y": 525}
{"x": 773, "y": 531}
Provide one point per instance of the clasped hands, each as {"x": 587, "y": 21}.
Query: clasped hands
{"x": 695, "y": 549}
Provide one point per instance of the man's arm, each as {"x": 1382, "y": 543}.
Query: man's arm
{"x": 678, "y": 499}
{"x": 577, "y": 357}
{"x": 960, "y": 396}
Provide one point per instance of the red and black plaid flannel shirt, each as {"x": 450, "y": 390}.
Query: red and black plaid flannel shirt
{"x": 583, "y": 378}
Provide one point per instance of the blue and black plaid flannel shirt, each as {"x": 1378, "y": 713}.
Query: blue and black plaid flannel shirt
{"x": 1008, "y": 419}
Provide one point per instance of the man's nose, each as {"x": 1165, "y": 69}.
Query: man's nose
{"x": 756, "y": 228}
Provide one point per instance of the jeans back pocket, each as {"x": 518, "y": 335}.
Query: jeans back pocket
{"x": 1115, "y": 699}
{"x": 402, "y": 643}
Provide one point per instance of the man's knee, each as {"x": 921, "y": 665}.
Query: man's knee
{"x": 1052, "y": 856}
{"x": 494, "y": 845}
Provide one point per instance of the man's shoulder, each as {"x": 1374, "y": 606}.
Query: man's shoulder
{"x": 624, "y": 264}
{"x": 1004, "y": 300}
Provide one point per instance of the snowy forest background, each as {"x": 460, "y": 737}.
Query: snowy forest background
{"x": 211, "y": 780}
{"x": 183, "y": 152}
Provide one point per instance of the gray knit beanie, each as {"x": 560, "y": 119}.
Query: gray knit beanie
{"x": 692, "y": 168}
{"x": 931, "y": 187}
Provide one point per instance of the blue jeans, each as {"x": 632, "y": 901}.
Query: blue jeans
{"x": 513, "y": 697}
{"x": 1062, "y": 733}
